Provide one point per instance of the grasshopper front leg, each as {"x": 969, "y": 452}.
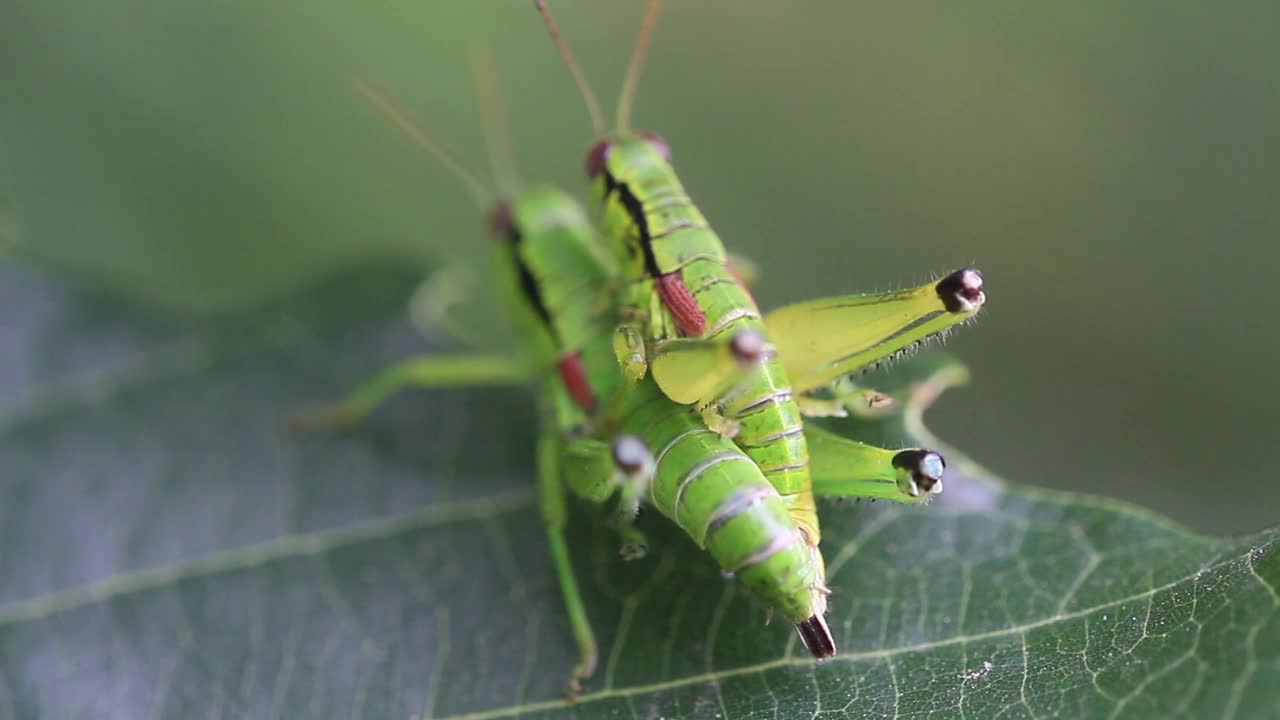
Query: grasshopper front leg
{"x": 597, "y": 470}
{"x": 629, "y": 349}
{"x": 634, "y": 466}
{"x": 686, "y": 369}
{"x": 419, "y": 372}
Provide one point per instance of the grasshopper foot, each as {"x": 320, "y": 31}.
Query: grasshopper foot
{"x": 718, "y": 423}
{"x": 634, "y": 549}
{"x": 333, "y": 418}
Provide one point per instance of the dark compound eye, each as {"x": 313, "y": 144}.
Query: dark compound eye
{"x": 930, "y": 473}
{"x": 631, "y": 455}
{"x": 596, "y": 158}
{"x": 961, "y": 291}
{"x": 926, "y": 468}
{"x": 749, "y": 347}
{"x": 501, "y": 221}
{"x": 657, "y": 142}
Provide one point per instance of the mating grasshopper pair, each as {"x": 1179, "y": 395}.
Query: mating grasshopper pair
{"x": 661, "y": 381}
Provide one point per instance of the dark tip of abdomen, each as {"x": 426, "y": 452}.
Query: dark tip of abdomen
{"x": 817, "y": 637}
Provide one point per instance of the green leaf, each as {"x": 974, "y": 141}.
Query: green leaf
{"x": 165, "y": 551}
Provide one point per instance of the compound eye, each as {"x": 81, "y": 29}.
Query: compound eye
{"x": 501, "y": 221}
{"x": 596, "y": 158}
{"x": 961, "y": 291}
{"x": 631, "y": 455}
{"x": 749, "y": 347}
{"x": 657, "y": 142}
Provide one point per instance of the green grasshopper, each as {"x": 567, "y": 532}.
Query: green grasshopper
{"x": 687, "y": 319}
{"x": 547, "y": 264}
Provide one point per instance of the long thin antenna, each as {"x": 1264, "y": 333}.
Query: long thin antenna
{"x": 593, "y": 105}
{"x": 494, "y": 120}
{"x": 394, "y": 113}
{"x": 637, "y": 61}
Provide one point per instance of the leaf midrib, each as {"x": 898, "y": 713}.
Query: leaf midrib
{"x": 282, "y": 547}
{"x": 882, "y": 653}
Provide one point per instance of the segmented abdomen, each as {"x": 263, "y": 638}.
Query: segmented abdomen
{"x": 714, "y": 491}
{"x": 770, "y": 427}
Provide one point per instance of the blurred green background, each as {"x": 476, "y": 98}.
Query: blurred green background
{"x": 1111, "y": 168}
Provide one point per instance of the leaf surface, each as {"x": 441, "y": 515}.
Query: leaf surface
{"x": 166, "y": 551}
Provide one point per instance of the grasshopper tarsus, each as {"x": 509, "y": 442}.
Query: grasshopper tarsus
{"x": 633, "y": 551}
{"x": 308, "y": 421}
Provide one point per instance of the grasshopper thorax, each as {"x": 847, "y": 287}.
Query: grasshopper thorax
{"x": 598, "y": 156}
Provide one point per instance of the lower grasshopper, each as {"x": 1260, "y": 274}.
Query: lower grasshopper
{"x": 551, "y": 271}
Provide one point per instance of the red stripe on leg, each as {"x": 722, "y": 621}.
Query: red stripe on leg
{"x": 574, "y": 376}
{"x": 681, "y": 303}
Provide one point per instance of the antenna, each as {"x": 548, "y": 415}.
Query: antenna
{"x": 637, "y": 61}
{"x": 401, "y": 118}
{"x": 593, "y": 106}
{"x": 494, "y": 120}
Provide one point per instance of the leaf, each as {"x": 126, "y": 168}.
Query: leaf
{"x": 166, "y": 552}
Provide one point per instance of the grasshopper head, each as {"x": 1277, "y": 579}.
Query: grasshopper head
{"x": 501, "y": 220}
{"x": 921, "y": 471}
{"x": 598, "y": 155}
{"x": 961, "y": 291}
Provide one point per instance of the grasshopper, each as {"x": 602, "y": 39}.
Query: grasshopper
{"x": 688, "y": 320}
{"x": 551, "y": 271}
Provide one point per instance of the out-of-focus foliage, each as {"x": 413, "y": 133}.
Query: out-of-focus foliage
{"x": 1110, "y": 167}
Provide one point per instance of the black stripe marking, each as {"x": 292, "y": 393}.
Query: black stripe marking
{"x": 635, "y": 210}
{"x": 529, "y": 285}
